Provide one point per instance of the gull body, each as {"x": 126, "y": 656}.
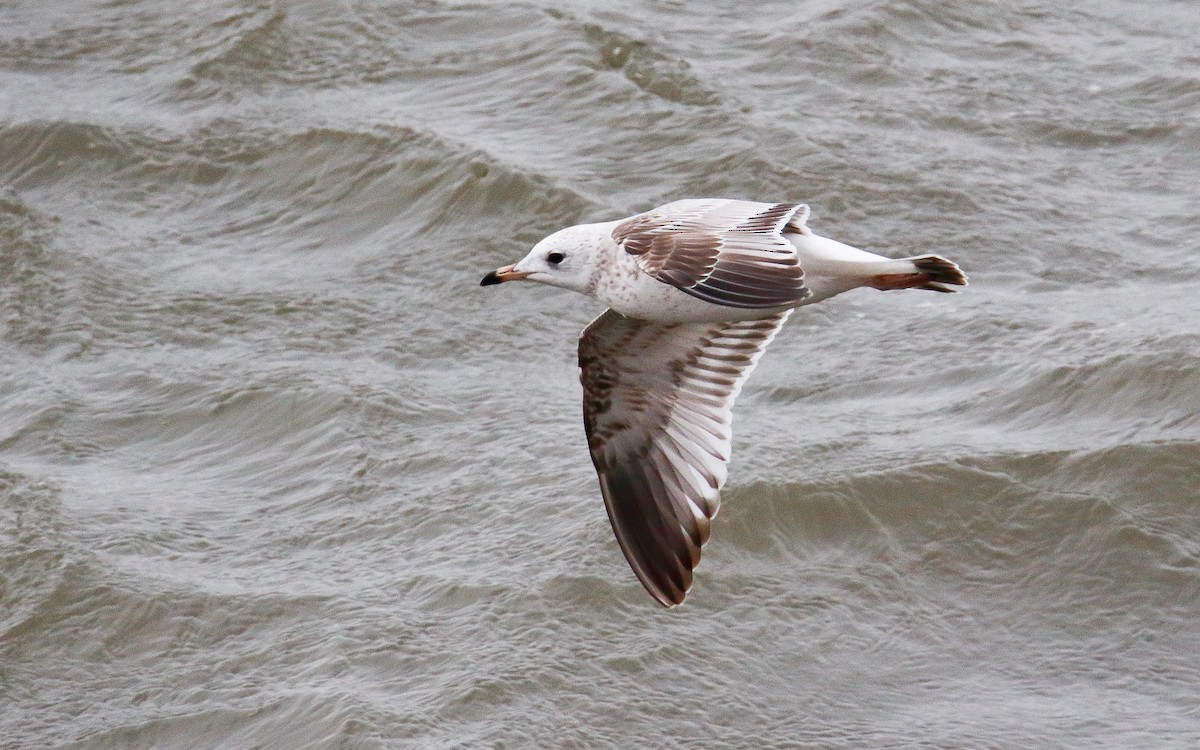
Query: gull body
{"x": 696, "y": 289}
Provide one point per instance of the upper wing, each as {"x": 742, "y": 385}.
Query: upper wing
{"x": 657, "y": 401}
{"x": 723, "y": 251}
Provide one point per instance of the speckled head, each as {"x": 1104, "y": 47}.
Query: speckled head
{"x": 569, "y": 258}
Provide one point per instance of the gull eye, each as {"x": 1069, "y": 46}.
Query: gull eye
{"x": 555, "y": 258}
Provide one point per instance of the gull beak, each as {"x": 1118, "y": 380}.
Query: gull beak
{"x": 501, "y": 275}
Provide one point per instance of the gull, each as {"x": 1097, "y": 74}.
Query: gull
{"x": 696, "y": 290}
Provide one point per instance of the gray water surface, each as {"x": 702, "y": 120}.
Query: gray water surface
{"x": 276, "y": 473}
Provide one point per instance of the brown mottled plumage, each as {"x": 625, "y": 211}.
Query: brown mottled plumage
{"x": 696, "y": 290}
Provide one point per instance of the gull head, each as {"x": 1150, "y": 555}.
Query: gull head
{"x": 567, "y": 259}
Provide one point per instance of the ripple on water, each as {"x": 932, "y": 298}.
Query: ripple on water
{"x": 276, "y": 472}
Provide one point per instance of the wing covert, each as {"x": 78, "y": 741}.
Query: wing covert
{"x": 727, "y": 252}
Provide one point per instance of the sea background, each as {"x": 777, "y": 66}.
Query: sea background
{"x": 275, "y": 472}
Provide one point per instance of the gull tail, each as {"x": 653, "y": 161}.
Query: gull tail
{"x": 932, "y": 272}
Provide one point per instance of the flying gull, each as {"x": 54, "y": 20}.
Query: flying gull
{"x": 695, "y": 289}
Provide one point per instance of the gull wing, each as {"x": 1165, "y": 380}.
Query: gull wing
{"x": 728, "y": 252}
{"x": 657, "y": 407}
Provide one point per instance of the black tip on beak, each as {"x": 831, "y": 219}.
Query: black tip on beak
{"x": 490, "y": 279}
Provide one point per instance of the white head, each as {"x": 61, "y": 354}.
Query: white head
{"x": 568, "y": 259}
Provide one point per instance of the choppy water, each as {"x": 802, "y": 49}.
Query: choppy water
{"x": 275, "y": 472}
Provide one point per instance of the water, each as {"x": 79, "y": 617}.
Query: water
{"x": 275, "y": 472}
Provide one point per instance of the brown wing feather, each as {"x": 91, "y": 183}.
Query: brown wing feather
{"x": 730, "y": 253}
{"x": 657, "y": 401}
